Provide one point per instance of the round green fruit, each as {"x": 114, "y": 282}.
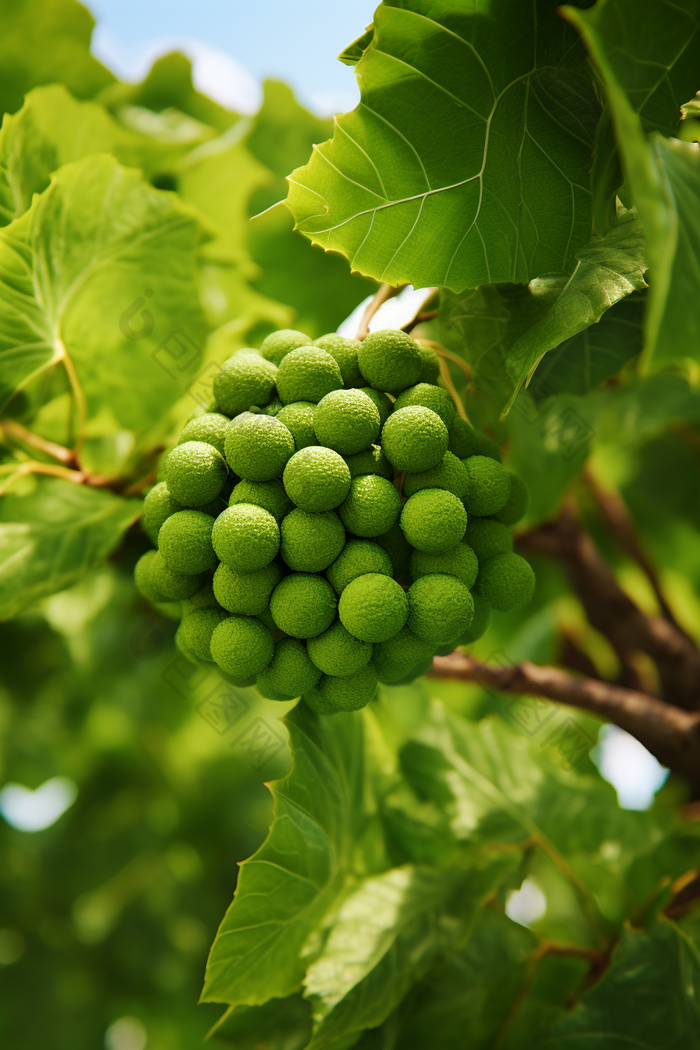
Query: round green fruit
{"x": 194, "y": 633}
{"x": 429, "y": 396}
{"x": 373, "y": 607}
{"x": 258, "y": 447}
{"x": 311, "y": 541}
{"x": 433, "y": 520}
{"x": 489, "y": 486}
{"x": 344, "y": 352}
{"x": 277, "y": 345}
{"x": 389, "y": 360}
{"x": 372, "y": 506}
{"x": 247, "y": 593}
{"x": 303, "y": 606}
{"x": 346, "y": 421}
{"x": 440, "y": 608}
{"x": 290, "y": 672}
{"x": 397, "y": 656}
{"x": 506, "y": 582}
{"x": 242, "y": 381}
{"x": 459, "y": 561}
{"x": 414, "y": 439}
{"x": 307, "y": 374}
{"x": 333, "y": 695}
{"x": 168, "y": 585}
{"x": 338, "y": 653}
{"x": 157, "y": 508}
{"x": 316, "y": 478}
{"x": 358, "y": 558}
{"x": 517, "y": 503}
{"x": 184, "y": 541}
{"x": 245, "y": 537}
{"x": 299, "y": 420}
{"x": 241, "y": 646}
{"x": 371, "y": 461}
{"x": 487, "y": 538}
{"x": 195, "y": 473}
{"x": 211, "y": 427}
{"x": 269, "y": 495}
{"x": 450, "y": 474}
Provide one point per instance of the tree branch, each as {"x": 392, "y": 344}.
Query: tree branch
{"x": 381, "y": 296}
{"x": 669, "y": 733}
{"x": 16, "y": 432}
{"x": 611, "y": 611}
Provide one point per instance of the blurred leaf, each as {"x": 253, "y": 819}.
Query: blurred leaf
{"x": 75, "y": 269}
{"x": 168, "y": 86}
{"x": 44, "y": 41}
{"x": 582, "y": 363}
{"x": 660, "y": 968}
{"x": 323, "y": 292}
{"x": 657, "y": 68}
{"x": 467, "y": 159}
{"x": 507, "y": 329}
{"x": 280, "y": 1024}
{"x": 52, "y": 537}
{"x": 286, "y": 888}
{"x": 663, "y": 175}
{"x": 52, "y": 129}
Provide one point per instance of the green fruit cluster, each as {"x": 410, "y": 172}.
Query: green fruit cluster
{"x": 330, "y": 522}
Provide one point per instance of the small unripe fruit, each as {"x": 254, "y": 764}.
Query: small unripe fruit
{"x": 506, "y": 582}
{"x": 414, "y": 439}
{"x": 184, "y": 541}
{"x": 398, "y": 548}
{"x": 246, "y": 537}
{"x": 269, "y": 495}
{"x": 307, "y": 374}
{"x": 310, "y": 542}
{"x": 489, "y": 486}
{"x": 450, "y": 474}
{"x": 344, "y": 352}
{"x": 390, "y": 360}
{"x": 430, "y": 364}
{"x": 373, "y": 607}
{"x": 157, "y": 507}
{"x": 211, "y": 427}
{"x": 440, "y": 608}
{"x": 346, "y": 421}
{"x": 317, "y": 478}
{"x": 487, "y": 538}
{"x": 241, "y": 646}
{"x": 290, "y": 672}
{"x": 429, "y": 396}
{"x": 357, "y": 558}
{"x": 338, "y": 653}
{"x": 479, "y": 624}
{"x": 246, "y": 594}
{"x": 381, "y": 401}
{"x": 459, "y": 561}
{"x": 142, "y": 577}
{"x": 465, "y": 441}
{"x": 433, "y": 520}
{"x": 303, "y": 606}
{"x": 242, "y": 381}
{"x": 258, "y": 447}
{"x": 333, "y": 695}
{"x": 299, "y": 420}
{"x": 195, "y": 473}
{"x": 517, "y": 503}
{"x": 372, "y": 506}
{"x": 278, "y": 344}
{"x": 194, "y": 633}
{"x": 397, "y": 656}
{"x": 168, "y": 585}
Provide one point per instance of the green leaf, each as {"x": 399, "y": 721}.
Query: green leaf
{"x": 323, "y": 292}
{"x": 74, "y": 271}
{"x": 467, "y": 160}
{"x": 663, "y": 175}
{"x": 44, "y": 41}
{"x": 507, "y": 329}
{"x": 384, "y": 938}
{"x": 582, "y": 363}
{"x": 53, "y": 536}
{"x": 286, "y": 888}
{"x": 659, "y": 968}
{"x": 281, "y": 1024}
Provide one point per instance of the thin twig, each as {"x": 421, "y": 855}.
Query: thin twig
{"x": 381, "y": 296}
{"x": 17, "y": 432}
{"x": 452, "y": 390}
{"x": 34, "y": 467}
{"x": 669, "y": 733}
{"x": 442, "y": 352}
{"x": 421, "y": 318}
{"x": 619, "y": 520}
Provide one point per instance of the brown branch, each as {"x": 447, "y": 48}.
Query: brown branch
{"x": 16, "y": 432}
{"x": 619, "y": 520}
{"x": 669, "y": 733}
{"x": 421, "y": 318}
{"x": 381, "y": 296}
{"x": 612, "y": 612}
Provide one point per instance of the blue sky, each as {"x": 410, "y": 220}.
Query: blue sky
{"x": 236, "y": 45}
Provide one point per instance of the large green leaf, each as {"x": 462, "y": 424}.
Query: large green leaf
{"x": 659, "y": 968}
{"x": 47, "y": 41}
{"x": 323, "y": 292}
{"x": 384, "y": 938}
{"x": 507, "y": 329}
{"x": 280, "y": 1024}
{"x": 74, "y": 273}
{"x": 53, "y": 536}
{"x": 467, "y": 160}
{"x": 286, "y": 888}
{"x": 663, "y": 175}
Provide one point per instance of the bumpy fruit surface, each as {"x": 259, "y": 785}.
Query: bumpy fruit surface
{"x": 311, "y": 522}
